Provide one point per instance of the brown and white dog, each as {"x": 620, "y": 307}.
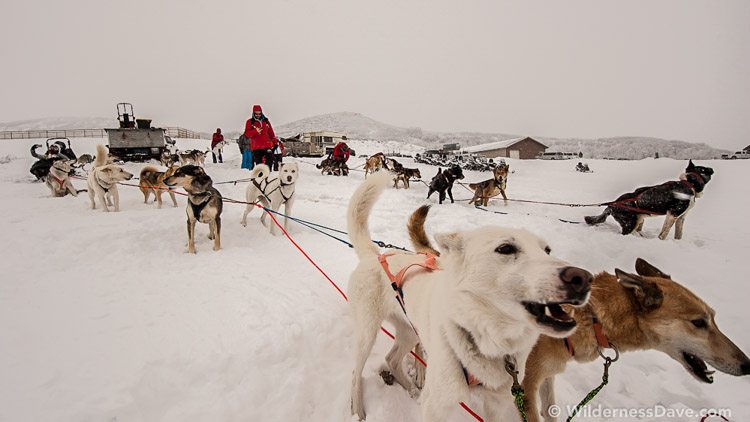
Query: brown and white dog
{"x": 331, "y": 166}
{"x": 102, "y": 180}
{"x": 152, "y": 180}
{"x": 204, "y": 202}
{"x": 58, "y": 179}
{"x": 636, "y": 312}
{"x": 493, "y": 292}
{"x": 193, "y": 156}
{"x": 487, "y": 189}
{"x": 375, "y": 163}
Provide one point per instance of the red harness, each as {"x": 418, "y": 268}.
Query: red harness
{"x": 61, "y": 182}
{"x": 398, "y": 281}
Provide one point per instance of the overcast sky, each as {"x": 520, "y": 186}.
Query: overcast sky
{"x": 674, "y": 69}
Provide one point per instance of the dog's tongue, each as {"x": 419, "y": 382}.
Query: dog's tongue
{"x": 557, "y": 312}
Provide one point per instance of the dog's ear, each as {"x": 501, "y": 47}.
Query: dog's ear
{"x": 107, "y": 170}
{"x": 648, "y": 294}
{"x": 690, "y": 165}
{"x": 450, "y": 242}
{"x": 647, "y": 270}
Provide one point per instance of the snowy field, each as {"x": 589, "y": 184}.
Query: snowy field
{"x": 105, "y": 317}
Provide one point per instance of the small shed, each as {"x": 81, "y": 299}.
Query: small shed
{"x": 525, "y": 148}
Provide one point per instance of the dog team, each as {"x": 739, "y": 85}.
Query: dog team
{"x": 482, "y": 305}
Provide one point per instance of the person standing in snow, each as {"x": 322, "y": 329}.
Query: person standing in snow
{"x": 218, "y": 137}
{"x": 245, "y": 149}
{"x": 258, "y": 129}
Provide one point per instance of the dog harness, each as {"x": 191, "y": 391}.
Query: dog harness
{"x": 198, "y": 208}
{"x": 601, "y": 338}
{"x": 61, "y": 182}
{"x": 398, "y": 281}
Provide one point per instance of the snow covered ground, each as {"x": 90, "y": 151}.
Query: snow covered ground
{"x": 105, "y": 317}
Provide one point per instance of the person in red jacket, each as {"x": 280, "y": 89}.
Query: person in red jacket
{"x": 261, "y": 135}
{"x": 341, "y": 152}
{"x": 218, "y": 137}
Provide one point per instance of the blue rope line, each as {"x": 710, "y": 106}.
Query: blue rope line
{"x": 505, "y": 213}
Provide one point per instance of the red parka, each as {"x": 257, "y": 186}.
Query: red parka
{"x": 260, "y": 131}
{"x": 341, "y": 152}
{"x": 218, "y": 137}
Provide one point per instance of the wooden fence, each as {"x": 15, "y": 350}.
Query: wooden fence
{"x": 174, "y": 132}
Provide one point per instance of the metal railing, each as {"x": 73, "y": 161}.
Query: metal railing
{"x": 174, "y": 132}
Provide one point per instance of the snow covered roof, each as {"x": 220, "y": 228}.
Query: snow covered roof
{"x": 496, "y": 145}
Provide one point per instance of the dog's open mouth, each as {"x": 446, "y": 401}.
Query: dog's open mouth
{"x": 551, "y": 315}
{"x": 699, "y": 368}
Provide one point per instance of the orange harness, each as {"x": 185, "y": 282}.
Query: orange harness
{"x": 397, "y": 282}
{"x": 601, "y": 338}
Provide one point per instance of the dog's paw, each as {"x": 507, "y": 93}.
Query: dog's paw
{"x": 414, "y": 393}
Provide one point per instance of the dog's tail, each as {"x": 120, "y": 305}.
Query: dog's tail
{"x": 260, "y": 172}
{"x": 359, "y": 210}
{"x": 148, "y": 169}
{"x": 418, "y": 237}
{"x": 101, "y": 156}
{"x": 598, "y": 219}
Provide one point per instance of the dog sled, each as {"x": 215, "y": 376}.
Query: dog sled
{"x": 135, "y": 139}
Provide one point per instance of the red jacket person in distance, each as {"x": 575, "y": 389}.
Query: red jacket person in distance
{"x": 258, "y": 129}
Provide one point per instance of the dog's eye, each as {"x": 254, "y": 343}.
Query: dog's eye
{"x": 699, "y": 323}
{"x": 506, "y": 249}
{"x": 547, "y": 250}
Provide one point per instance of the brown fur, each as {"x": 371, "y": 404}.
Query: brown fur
{"x": 404, "y": 175}
{"x": 152, "y": 180}
{"x": 637, "y": 312}
{"x": 330, "y": 166}
{"x": 490, "y": 188}
{"x": 374, "y": 163}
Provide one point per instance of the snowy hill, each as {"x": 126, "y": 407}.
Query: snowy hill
{"x": 361, "y": 127}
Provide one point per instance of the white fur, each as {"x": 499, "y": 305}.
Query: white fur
{"x": 272, "y": 192}
{"x": 469, "y": 313}
{"x": 103, "y": 179}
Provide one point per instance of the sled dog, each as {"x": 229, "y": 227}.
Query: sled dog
{"x": 168, "y": 159}
{"x": 481, "y": 306}
{"x": 204, "y": 202}
{"x": 272, "y": 192}
{"x": 375, "y": 163}
{"x": 330, "y": 166}
{"x": 102, "y": 180}
{"x": 443, "y": 182}
{"x": 152, "y": 180}
{"x": 193, "y": 156}
{"x": 636, "y": 312}
{"x": 673, "y": 199}
{"x": 487, "y": 189}
{"x": 404, "y": 175}
{"x": 58, "y": 178}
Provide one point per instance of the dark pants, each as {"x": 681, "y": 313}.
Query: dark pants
{"x": 221, "y": 160}
{"x": 263, "y": 156}
{"x": 276, "y": 162}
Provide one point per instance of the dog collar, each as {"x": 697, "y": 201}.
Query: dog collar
{"x": 601, "y": 338}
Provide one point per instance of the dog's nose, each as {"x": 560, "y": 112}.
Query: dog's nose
{"x": 576, "y": 278}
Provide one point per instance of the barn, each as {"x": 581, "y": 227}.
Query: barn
{"x": 525, "y": 148}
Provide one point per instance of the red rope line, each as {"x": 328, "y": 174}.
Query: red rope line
{"x": 309, "y": 259}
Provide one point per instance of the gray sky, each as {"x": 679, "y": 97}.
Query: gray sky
{"x": 675, "y": 69}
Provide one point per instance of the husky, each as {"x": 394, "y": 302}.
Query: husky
{"x": 204, "y": 202}
{"x": 375, "y": 163}
{"x": 82, "y": 160}
{"x": 404, "y": 175}
{"x": 443, "y": 182}
{"x": 331, "y": 166}
{"x": 636, "y": 312}
{"x": 152, "y": 180}
{"x": 58, "y": 178}
{"x": 673, "y": 199}
{"x": 218, "y": 149}
{"x": 193, "y": 156}
{"x": 271, "y": 193}
{"x": 487, "y": 189}
{"x": 478, "y": 307}
{"x": 102, "y": 180}
{"x": 168, "y": 159}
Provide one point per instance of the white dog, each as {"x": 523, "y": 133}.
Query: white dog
{"x": 58, "y": 179}
{"x": 495, "y": 291}
{"x": 103, "y": 179}
{"x": 271, "y": 193}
